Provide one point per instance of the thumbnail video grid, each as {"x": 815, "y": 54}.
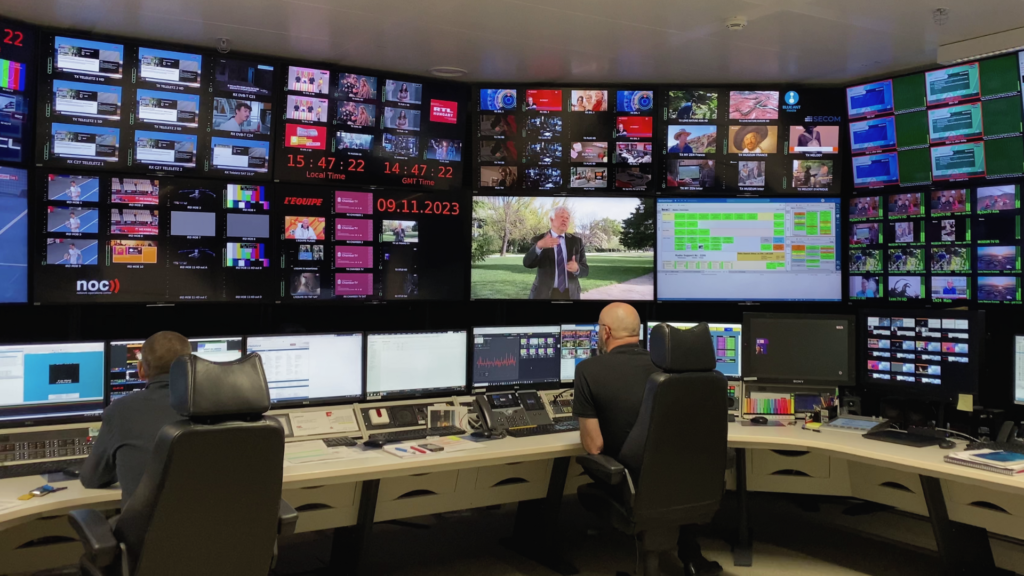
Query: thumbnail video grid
{"x": 564, "y": 139}
{"x": 750, "y": 141}
{"x": 949, "y": 124}
{"x": 942, "y": 246}
{"x": 17, "y": 73}
{"x": 129, "y": 239}
{"x": 242, "y": 122}
{"x": 929, "y": 351}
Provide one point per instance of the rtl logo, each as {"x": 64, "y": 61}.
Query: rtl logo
{"x": 444, "y": 111}
{"x": 98, "y": 286}
{"x": 303, "y": 201}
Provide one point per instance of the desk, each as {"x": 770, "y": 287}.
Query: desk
{"x": 543, "y": 472}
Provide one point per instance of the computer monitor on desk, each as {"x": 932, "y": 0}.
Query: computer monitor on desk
{"x": 727, "y": 339}
{"x": 516, "y": 357}
{"x": 808, "y": 350}
{"x": 304, "y": 369}
{"x": 412, "y": 364}
{"x": 45, "y": 383}
{"x": 579, "y": 342}
{"x": 123, "y": 372}
{"x": 224, "y": 349}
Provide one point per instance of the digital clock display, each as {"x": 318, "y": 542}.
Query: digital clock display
{"x": 342, "y": 127}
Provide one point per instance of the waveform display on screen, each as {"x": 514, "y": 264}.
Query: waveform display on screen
{"x": 503, "y": 362}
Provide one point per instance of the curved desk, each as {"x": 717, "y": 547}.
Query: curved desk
{"x": 544, "y": 463}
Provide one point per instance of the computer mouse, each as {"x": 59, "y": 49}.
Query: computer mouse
{"x": 375, "y": 443}
{"x": 759, "y": 420}
{"x": 947, "y": 444}
{"x": 72, "y": 471}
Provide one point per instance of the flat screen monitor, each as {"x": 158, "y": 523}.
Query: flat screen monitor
{"x": 1018, "y": 369}
{"x": 579, "y": 342}
{"x": 931, "y": 353}
{"x": 123, "y": 370}
{"x": 223, "y": 349}
{"x": 802, "y": 349}
{"x": 749, "y": 249}
{"x": 525, "y": 356}
{"x": 869, "y": 99}
{"x": 311, "y": 368}
{"x": 728, "y": 342}
{"x": 45, "y": 383}
{"x": 410, "y": 364}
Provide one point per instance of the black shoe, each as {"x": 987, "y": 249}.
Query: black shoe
{"x": 704, "y": 567}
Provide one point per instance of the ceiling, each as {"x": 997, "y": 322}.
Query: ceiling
{"x": 619, "y": 41}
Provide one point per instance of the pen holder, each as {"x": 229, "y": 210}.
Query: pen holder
{"x": 825, "y": 415}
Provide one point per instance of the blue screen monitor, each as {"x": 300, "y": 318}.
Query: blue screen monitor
{"x": 876, "y": 170}
{"x": 869, "y": 99}
{"x": 727, "y": 340}
{"x": 44, "y": 383}
{"x": 873, "y": 135}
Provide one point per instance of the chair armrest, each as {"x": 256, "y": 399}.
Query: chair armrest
{"x": 603, "y": 468}
{"x": 287, "y": 518}
{"x": 97, "y": 536}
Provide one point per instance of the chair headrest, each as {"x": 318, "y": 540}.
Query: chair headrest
{"x": 204, "y": 389}
{"x": 674, "y": 350}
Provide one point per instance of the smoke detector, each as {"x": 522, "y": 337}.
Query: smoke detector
{"x": 940, "y": 16}
{"x": 737, "y": 23}
{"x": 223, "y": 45}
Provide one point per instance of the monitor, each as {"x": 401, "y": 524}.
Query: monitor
{"x": 748, "y": 249}
{"x": 802, "y": 349}
{"x": 579, "y": 342}
{"x": 728, "y": 342}
{"x": 525, "y": 356}
{"x": 311, "y": 368}
{"x": 870, "y": 99}
{"x": 410, "y": 364}
{"x": 45, "y": 383}
{"x": 934, "y": 354}
{"x": 223, "y": 349}
{"x": 1018, "y": 369}
{"x": 123, "y": 373}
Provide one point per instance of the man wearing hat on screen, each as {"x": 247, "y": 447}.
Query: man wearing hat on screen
{"x": 681, "y": 147}
{"x": 748, "y": 139}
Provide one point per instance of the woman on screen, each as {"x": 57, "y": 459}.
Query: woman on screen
{"x": 579, "y": 106}
{"x": 508, "y": 178}
{"x": 403, "y": 93}
{"x": 364, "y": 89}
{"x": 364, "y": 119}
{"x": 440, "y": 149}
{"x": 402, "y": 121}
{"x": 598, "y": 101}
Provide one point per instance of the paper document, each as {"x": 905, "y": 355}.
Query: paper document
{"x": 327, "y": 422}
{"x": 316, "y": 451}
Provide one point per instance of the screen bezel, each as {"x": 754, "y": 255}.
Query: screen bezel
{"x": 948, "y": 391}
{"x": 424, "y": 393}
{"x": 555, "y": 384}
{"x": 748, "y": 350}
{"x": 69, "y": 419}
{"x": 325, "y": 401}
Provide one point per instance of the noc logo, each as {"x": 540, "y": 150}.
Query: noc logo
{"x": 98, "y": 287}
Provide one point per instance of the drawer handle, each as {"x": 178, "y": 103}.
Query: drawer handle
{"x": 896, "y": 486}
{"x": 989, "y": 506}
{"x": 416, "y": 493}
{"x": 510, "y": 482}
{"x": 46, "y": 541}
{"x": 311, "y": 488}
{"x": 790, "y": 473}
{"x": 791, "y": 453}
{"x": 313, "y": 506}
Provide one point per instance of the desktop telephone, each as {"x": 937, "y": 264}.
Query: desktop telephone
{"x": 500, "y": 411}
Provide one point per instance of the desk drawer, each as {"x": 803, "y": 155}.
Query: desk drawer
{"x": 998, "y": 512}
{"x": 417, "y": 485}
{"x": 805, "y": 464}
{"x": 535, "y": 472}
{"x": 322, "y": 507}
{"x": 887, "y": 486}
{"x": 796, "y": 473}
{"x": 38, "y": 545}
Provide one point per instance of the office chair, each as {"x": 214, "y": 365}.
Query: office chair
{"x": 210, "y": 499}
{"x": 671, "y": 471}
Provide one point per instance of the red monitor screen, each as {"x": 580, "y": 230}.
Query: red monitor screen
{"x": 634, "y": 126}
{"x": 544, "y": 100}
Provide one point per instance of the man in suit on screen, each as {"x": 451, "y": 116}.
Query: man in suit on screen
{"x": 560, "y": 260}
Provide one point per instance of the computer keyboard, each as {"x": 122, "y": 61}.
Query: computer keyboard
{"x": 339, "y": 441}
{"x": 38, "y": 468}
{"x": 418, "y": 434}
{"x": 1017, "y": 447}
{"x": 898, "y": 437}
{"x": 542, "y": 429}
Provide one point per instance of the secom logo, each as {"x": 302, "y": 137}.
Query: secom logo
{"x": 98, "y": 286}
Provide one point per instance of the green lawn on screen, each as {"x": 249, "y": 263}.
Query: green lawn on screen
{"x": 507, "y": 278}
{"x": 409, "y": 236}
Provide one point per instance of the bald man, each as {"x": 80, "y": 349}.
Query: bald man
{"x": 609, "y": 389}
{"x": 131, "y": 424}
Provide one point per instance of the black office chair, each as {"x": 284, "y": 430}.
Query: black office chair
{"x": 210, "y": 499}
{"x": 671, "y": 471}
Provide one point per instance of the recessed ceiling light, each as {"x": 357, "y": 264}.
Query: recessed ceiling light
{"x": 448, "y": 71}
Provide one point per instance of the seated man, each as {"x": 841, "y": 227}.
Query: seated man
{"x": 609, "y": 389}
{"x": 131, "y": 424}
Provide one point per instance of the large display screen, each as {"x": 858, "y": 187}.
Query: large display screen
{"x": 14, "y": 187}
{"x": 45, "y": 382}
{"x": 942, "y": 246}
{"x": 17, "y": 76}
{"x": 349, "y": 128}
{"x": 562, "y": 248}
{"x": 242, "y": 122}
{"x": 748, "y": 249}
{"x": 951, "y": 124}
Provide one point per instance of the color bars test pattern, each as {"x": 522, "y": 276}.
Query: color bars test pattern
{"x": 246, "y": 197}
{"x": 768, "y": 404}
{"x": 245, "y": 255}
{"x": 12, "y": 75}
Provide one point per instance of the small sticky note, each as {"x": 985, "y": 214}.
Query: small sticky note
{"x": 966, "y": 403}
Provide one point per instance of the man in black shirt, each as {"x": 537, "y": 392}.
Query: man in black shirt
{"x": 609, "y": 389}
{"x": 131, "y": 424}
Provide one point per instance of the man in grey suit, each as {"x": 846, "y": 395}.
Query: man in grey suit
{"x": 560, "y": 260}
